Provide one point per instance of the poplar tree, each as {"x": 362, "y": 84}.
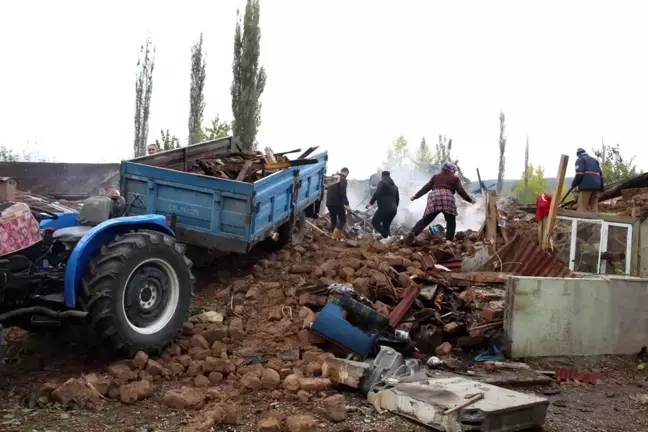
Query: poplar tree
{"x": 196, "y": 92}
{"x": 248, "y": 81}
{"x": 143, "y": 91}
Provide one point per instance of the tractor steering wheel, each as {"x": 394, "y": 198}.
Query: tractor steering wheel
{"x": 41, "y": 214}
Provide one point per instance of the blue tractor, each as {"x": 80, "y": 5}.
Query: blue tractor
{"x": 125, "y": 277}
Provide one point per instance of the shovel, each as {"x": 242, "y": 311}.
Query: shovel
{"x": 565, "y": 197}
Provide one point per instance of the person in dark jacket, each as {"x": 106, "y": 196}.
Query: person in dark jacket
{"x": 374, "y": 179}
{"x": 338, "y": 203}
{"x": 589, "y": 180}
{"x": 387, "y": 197}
{"x": 441, "y": 188}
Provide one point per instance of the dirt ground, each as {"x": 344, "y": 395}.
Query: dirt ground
{"x": 259, "y": 290}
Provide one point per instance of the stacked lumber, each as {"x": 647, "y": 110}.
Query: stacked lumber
{"x": 250, "y": 166}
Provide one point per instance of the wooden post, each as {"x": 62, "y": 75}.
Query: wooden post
{"x": 555, "y": 201}
{"x": 541, "y": 229}
{"x": 491, "y": 217}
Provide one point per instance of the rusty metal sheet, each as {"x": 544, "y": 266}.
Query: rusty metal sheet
{"x": 48, "y": 204}
{"x": 563, "y": 373}
{"x": 409, "y": 294}
{"x": 524, "y": 257}
{"x": 453, "y": 265}
{"x": 62, "y": 180}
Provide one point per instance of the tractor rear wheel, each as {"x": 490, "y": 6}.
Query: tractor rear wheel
{"x": 141, "y": 288}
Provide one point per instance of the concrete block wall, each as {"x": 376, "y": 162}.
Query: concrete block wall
{"x": 642, "y": 250}
{"x": 548, "y": 317}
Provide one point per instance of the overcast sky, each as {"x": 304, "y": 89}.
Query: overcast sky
{"x": 349, "y": 76}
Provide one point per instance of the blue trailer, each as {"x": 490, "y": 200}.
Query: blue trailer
{"x": 219, "y": 214}
{"x": 119, "y": 266}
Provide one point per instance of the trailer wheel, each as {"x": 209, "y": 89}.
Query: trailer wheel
{"x": 292, "y": 232}
{"x": 141, "y": 290}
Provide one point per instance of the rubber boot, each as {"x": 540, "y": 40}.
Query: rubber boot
{"x": 337, "y": 232}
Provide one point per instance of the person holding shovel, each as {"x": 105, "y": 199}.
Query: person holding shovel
{"x": 441, "y": 188}
{"x": 589, "y": 180}
{"x": 337, "y": 203}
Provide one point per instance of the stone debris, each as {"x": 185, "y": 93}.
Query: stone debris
{"x": 133, "y": 392}
{"x": 121, "y": 372}
{"x": 184, "y": 398}
{"x": 334, "y": 408}
{"x": 270, "y": 424}
{"x": 301, "y": 423}
{"x": 140, "y": 360}
{"x": 259, "y": 343}
{"x": 77, "y": 390}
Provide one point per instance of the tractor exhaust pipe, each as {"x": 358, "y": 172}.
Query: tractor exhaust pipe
{"x": 40, "y": 310}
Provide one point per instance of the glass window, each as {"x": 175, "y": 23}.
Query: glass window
{"x": 588, "y": 246}
{"x": 614, "y": 260}
{"x": 562, "y": 240}
{"x": 593, "y": 246}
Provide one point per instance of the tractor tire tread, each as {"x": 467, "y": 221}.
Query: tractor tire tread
{"x": 100, "y": 283}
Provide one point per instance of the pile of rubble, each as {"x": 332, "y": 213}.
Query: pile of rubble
{"x": 359, "y": 225}
{"x": 274, "y": 330}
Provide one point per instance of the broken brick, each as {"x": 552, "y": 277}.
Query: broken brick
{"x": 444, "y": 349}
{"x": 451, "y": 327}
{"x": 491, "y": 313}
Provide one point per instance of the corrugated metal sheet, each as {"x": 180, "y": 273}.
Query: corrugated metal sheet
{"x": 61, "y": 180}
{"x": 49, "y": 204}
{"x": 409, "y": 294}
{"x": 563, "y": 373}
{"x": 524, "y": 257}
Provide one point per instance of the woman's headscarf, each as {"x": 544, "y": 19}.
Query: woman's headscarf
{"x": 449, "y": 167}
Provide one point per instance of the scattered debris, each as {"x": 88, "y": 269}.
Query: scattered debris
{"x": 563, "y": 373}
{"x": 449, "y": 403}
{"x": 310, "y": 320}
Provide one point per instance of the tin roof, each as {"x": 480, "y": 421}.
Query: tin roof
{"x": 524, "y": 257}
{"x": 48, "y": 204}
{"x": 61, "y": 180}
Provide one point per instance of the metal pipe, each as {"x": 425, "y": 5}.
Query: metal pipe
{"x": 40, "y": 310}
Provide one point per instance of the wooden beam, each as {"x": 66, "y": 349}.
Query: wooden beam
{"x": 270, "y": 157}
{"x": 247, "y": 167}
{"x": 307, "y": 152}
{"x": 287, "y": 152}
{"x": 555, "y": 201}
{"x": 491, "y": 217}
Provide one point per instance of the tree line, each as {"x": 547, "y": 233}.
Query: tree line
{"x": 424, "y": 158}
{"x": 248, "y": 84}
{"x": 532, "y": 180}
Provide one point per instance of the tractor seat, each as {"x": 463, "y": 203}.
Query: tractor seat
{"x": 71, "y": 234}
{"x": 95, "y": 210}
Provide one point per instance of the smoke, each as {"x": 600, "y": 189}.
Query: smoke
{"x": 409, "y": 181}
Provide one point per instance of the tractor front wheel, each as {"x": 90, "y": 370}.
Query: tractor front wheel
{"x": 141, "y": 288}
